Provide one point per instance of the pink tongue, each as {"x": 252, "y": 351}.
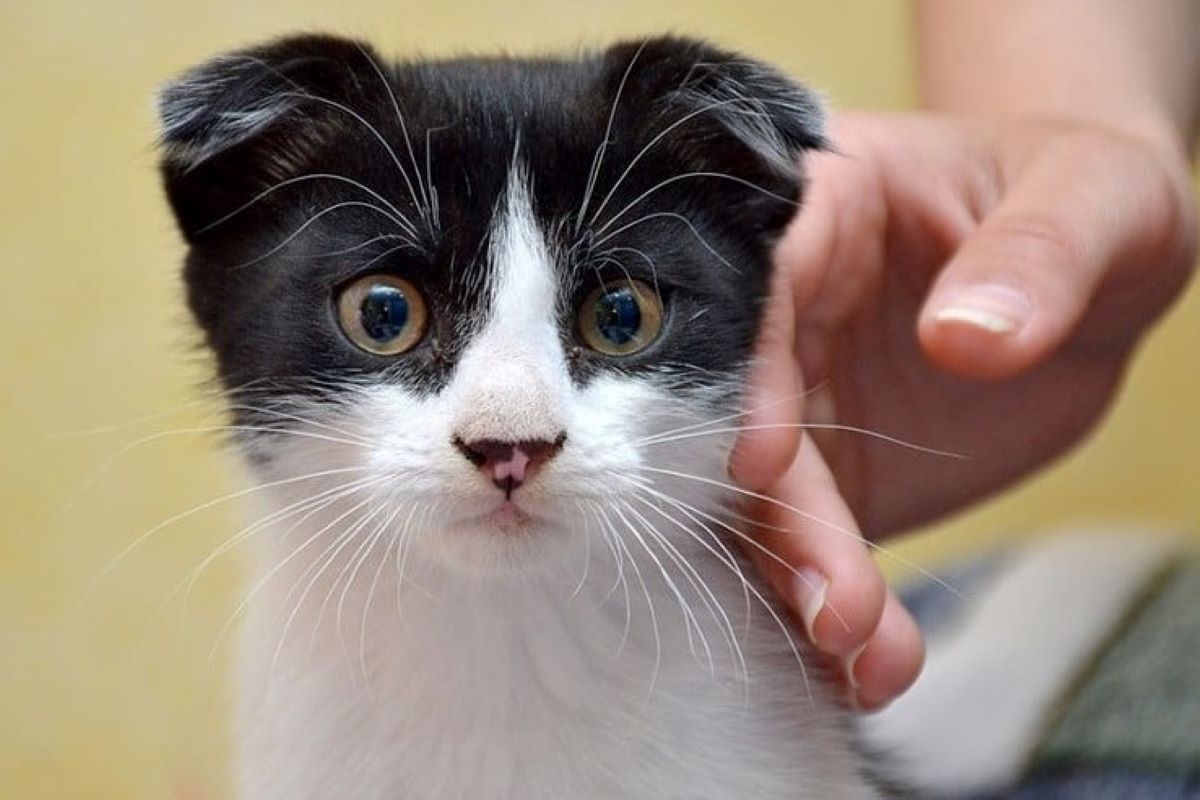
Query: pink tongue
{"x": 514, "y": 467}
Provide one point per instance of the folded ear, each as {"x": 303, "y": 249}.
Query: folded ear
{"x": 719, "y": 111}
{"x": 241, "y": 122}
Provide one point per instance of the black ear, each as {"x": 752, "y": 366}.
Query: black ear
{"x": 247, "y": 120}
{"x": 719, "y": 111}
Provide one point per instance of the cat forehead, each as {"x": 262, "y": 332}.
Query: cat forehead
{"x": 444, "y": 138}
{"x": 667, "y": 106}
{"x": 439, "y": 152}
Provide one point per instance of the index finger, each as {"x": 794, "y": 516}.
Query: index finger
{"x": 770, "y": 431}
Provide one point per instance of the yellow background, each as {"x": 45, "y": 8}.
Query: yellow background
{"x": 107, "y": 688}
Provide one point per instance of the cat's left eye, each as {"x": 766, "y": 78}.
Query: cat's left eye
{"x": 620, "y": 318}
{"x": 383, "y": 314}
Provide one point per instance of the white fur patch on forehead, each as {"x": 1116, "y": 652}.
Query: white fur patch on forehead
{"x": 513, "y": 377}
{"x": 524, "y": 289}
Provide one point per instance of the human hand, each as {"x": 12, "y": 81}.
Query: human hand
{"x": 971, "y": 285}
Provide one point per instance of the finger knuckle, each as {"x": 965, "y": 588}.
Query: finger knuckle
{"x": 1040, "y": 242}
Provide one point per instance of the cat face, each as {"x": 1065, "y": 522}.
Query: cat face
{"x": 491, "y": 306}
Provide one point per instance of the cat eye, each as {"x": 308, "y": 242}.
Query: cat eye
{"x": 620, "y": 318}
{"x": 382, "y": 314}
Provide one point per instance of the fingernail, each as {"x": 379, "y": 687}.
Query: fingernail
{"x": 866, "y": 706}
{"x": 811, "y": 587}
{"x": 992, "y": 307}
{"x": 850, "y": 663}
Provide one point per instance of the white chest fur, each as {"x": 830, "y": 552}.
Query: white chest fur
{"x": 520, "y": 687}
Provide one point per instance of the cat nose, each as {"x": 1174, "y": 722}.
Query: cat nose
{"x": 509, "y": 464}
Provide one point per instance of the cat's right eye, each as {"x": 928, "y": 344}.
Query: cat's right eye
{"x": 382, "y": 314}
{"x": 621, "y": 318}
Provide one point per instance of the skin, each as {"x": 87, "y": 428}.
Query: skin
{"x": 953, "y": 270}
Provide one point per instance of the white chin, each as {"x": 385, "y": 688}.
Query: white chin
{"x": 502, "y": 542}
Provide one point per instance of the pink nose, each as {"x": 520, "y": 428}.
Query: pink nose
{"x": 510, "y": 464}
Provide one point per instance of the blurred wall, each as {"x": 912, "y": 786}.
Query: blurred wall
{"x": 111, "y": 669}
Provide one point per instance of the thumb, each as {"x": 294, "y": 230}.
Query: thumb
{"x": 1020, "y": 284}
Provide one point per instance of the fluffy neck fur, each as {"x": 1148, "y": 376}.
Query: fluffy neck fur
{"x": 525, "y": 686}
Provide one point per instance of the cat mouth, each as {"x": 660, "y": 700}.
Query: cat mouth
{"x": 507, "y": 517}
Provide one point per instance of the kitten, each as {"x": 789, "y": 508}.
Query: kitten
{"x": 483, "y": 324}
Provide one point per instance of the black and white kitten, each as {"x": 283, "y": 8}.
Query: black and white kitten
{"x": 483, "y": 324}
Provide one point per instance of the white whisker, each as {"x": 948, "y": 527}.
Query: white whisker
{"x": 400, "y": 218}
{"x": 813, "y": 518}
{"x": 598, "y": 158}
{"x": 422, "y": 208}
{"x": 686, "y": 176}
{"x": 735, "y": 415}
{"x": 689, "y": 618}
{"x": 689, "y": 511}
{"x": 372, "y": 540}
{"x": 343, "y": 436}
{"x": 129, "y": 548}
{"x": 649, "y": 604}
{"x": 677, "y": 217}
{"x": 307, "y": 224}
{"x": 388, "y": 252}
{"x": 813, "y": 426}
{"x": 695, "y": 581}
{"x": 262, "y": 582}
{"x": 395, "y": 543}
{"x": 641, "y": 254}
{"x": 383, "y": 237}
{"x": 306, "y": 507}
{"x": 727, "y": 559}
{"x": 587, "y": 555}
{"x": 102, "y": 470}
{"x": 650, "y": 145}
{"x": 350, "y": 536}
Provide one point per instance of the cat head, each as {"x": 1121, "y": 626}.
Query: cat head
{"x": 487, "y": 303}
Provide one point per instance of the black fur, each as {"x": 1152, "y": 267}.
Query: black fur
{"x": 254, "y": 124}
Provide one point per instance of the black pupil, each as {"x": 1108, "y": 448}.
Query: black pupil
{"x": 384, "y": 312}
{"x": 618, "y": 316}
